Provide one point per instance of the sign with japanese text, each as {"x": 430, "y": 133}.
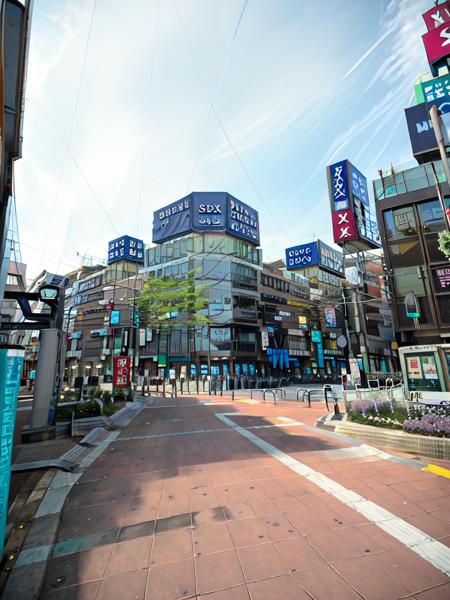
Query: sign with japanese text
{"x": 122, "y": 371}
{"x": 126, "y": 248}
{"x": 344, "y": 226}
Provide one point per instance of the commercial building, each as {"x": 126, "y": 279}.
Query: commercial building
{"x": 99, "y": 324}
{"x": 413, "y": 204}
{"x": 217, "y": 236}
{"x": 411, "y": 217}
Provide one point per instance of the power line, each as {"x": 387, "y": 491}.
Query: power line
{"x": 219, "y": 85}
{"x": 205, "y": 90}
{"x": 89, "y": 186}
{"x": 147, "y": 118}
{"x": 75, "y": 113}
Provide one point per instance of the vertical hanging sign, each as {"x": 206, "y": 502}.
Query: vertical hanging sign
{"x": 122, "y": 372}
{"x": 11, "y": 363}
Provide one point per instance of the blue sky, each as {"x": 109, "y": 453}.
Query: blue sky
{"x": 122, "y": 125}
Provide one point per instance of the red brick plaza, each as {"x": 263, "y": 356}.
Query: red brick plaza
{"x": 220, "y": 500}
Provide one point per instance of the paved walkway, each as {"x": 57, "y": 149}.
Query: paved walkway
{"x": 239, "y": 501}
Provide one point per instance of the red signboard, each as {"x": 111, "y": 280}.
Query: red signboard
{"x": 122, "y": 371}
{"x": 437, "y": 43}
{"x": 437, "y": 16}
{"x": 344, "y": 226}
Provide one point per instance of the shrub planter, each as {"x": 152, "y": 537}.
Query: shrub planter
{"x": 426, "y": 445}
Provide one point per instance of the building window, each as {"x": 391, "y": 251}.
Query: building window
{"x": 409, "y": 279}
{"x": 400, "y": 223}
{"x": 431, "y": 216}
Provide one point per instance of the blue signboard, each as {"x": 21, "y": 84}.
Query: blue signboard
{"x": 359, "y": 185}
{"x": 420, "y": 129}
{"x": 11, "y": 362}
{"x": 172, "y": 221}
{"x": 316, "y": 336}
{"x": 299, "y": 257}
{"x": 115, "y": 317}
{"x": 206, "y": 211}
{"x": 437, "y": 91}
{"x": 126, "y": 248}
{"x": 339, "y": 185}
{"x": 319, "y": 355}
{"x": 209, "y": 211}
{"x": 242, "y": 221}
{"x": 331, "y": 259}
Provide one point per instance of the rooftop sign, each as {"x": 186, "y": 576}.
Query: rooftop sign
{"x": 206, "y": 212}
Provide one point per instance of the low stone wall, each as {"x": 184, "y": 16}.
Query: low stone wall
{"x": 425, "y": 445}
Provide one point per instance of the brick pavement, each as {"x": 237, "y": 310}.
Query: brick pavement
{"x": 183, "y": 505}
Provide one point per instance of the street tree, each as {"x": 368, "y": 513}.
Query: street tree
{"x": 172, "y": 303}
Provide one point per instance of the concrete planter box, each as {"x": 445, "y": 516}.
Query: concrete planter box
{"x": 425, "y": 445}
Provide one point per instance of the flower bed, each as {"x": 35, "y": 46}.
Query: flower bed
{"x": 411, "y": 418}
{"x": 379, "y": 413}
{"x": 428, "y": 424}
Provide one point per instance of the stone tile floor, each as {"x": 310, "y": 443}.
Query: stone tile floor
{"x": 183, "y": 506}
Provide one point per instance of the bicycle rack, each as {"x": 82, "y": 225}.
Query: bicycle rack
{"x": 273, "y": 394}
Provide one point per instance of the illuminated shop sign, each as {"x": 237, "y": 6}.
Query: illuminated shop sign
{"x": 207, "y": 212}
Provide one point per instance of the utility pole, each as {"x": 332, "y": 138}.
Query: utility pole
{"x": 436, "y": 121}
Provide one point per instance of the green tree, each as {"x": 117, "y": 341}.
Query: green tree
{"x": 168, "y": 303}
{"x": 444, "y": 243}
